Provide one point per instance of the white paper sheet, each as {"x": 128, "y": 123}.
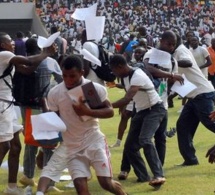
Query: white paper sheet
{"x": 43, "y": 42}
{"x": 95, "y": 27}
{"x": 185, "y": 89}
{"x": 48, "y": 121}
{"x": 40, "y": 135}
{"x": 65, "y": 178}
{"x": 90, "y": 57}
{"x": 83, "y": 13}
{"x": 159, "y": 57}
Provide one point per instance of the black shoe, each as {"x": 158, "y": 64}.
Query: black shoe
{"x": 185, "y": 164}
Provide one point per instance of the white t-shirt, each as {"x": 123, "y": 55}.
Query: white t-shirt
{"x": 193, "y": 74}
{"x": 200, "y": 54}
{"x": 80, "y": 134}
{"x": 143, "y": 99}
{"x": 5, "y": 91}
{"x": 162, "y": 90}
{"x": 93, "y": 49}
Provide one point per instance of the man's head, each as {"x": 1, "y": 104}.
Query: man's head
{"x": 139, "y": 52}
{"x": 20, "y": 35}
{"x": 54, "y": 29}
{"x": 118, "y": 65}
{"x": 72, "y": 68}
{"x": 32, "y": 47}
{"x": 6, "y": 43}
{"x": 194, "y": 42}
{"x": 168, "y": 41}
{"x": 142, "y": 31}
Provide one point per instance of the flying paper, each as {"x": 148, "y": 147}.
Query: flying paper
{"x": 95, "y": 27}
{"x": 43, "y": 42}
{"x": 90, "y": 57}
{"x": 83, "y": 13}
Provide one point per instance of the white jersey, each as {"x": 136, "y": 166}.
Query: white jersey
{"x": 162, "y": 90}
{"x": 200, "y": 54}
{"x": 193, "y": 74}
{"x": 5, "y": 91}
{"x": 79, "y": 134}
{"x": 143, "y": 98}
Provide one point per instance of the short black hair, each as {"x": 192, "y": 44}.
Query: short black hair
{"x": 73, "y": 61}
{"x": 31, "y": 46}
{"x": 168, "y": 34}
{"x": 117, "y": 60}
{"x": 2, "y": 39}
{"x": 54, "y": 29}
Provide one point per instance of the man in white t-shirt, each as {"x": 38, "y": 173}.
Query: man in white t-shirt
{"x": 9, "y": 139}
{"x": 197, "y": 109}
{"x": 149, "y": 121}
{"x": 201, "y": 55}
{"x": 83, "y": 144}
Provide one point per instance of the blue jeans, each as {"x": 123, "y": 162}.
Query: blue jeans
{"x": 145, "y": 125}
{"x": 195, "y": 110}
{"x": 30, "y": 159}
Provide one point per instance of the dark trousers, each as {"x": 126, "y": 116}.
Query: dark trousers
{"x": 145, "y": 125}
{"x": 195, "y": 110}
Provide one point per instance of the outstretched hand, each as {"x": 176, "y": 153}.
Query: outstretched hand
{"x": 51, "y": 50}
{"x": 179, "y": 78}
{"x": 211, "y": 155}
{"x": 80, "y": 107}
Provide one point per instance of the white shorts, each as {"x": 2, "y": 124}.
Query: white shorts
{"x": 96, "y": 155}
{"x": 16, "y": 120}
{"x": 6, "y": 121}
{"x": 57, "y": 163}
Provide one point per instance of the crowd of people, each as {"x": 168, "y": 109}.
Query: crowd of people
{"x": 183, "y": 29}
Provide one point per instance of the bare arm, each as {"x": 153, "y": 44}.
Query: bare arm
{"x": 127, "y": 98}
{"x": 163, "y": 74}
{"x": 27, "y": 65}
{"x": 207, "y": 63}
{"x": 106, "y": 110}
{"x": 184, "y": 63}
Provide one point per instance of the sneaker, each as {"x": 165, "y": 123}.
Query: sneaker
{"x": 123, "y": 175}
{"x": 115, "y": 145}
{"x": 54, "y": 189}
{"x": 157, "y": 182}
{"x": 14, "y": 191}
{"x": 25, "y": 181}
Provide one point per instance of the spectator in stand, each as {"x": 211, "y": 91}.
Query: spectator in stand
{"x": 201, "y": 55}
{"x": 211, "y": 69}
{"x": 143, "y": 34}
{"x": 58, "y": 42}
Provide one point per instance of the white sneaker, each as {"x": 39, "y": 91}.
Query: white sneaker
{"x": 14, "y": 191}
{"x": 115, "y": 145}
